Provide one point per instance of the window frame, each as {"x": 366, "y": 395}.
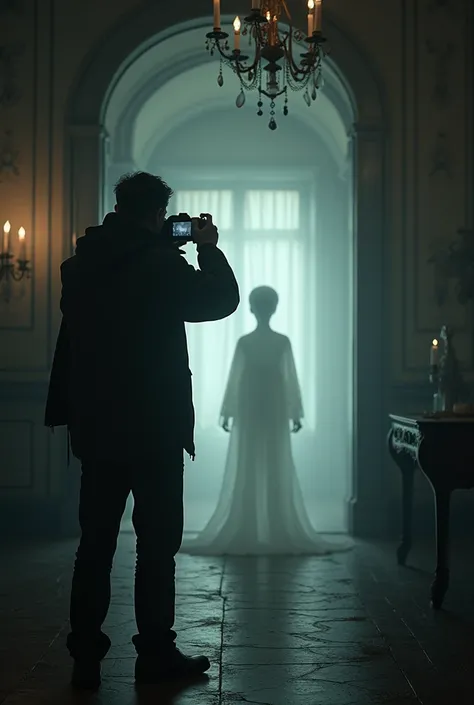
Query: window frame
{"x": 242, "y": 180}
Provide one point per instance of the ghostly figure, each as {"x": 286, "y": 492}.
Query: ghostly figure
{"x": 261, "y": 509}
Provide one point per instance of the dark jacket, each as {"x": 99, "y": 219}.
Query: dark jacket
{"x": 120, "y": 379}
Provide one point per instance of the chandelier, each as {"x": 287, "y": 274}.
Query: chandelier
{"x": 274, "y": 67}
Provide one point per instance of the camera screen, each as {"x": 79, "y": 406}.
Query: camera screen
{"x": 182, "y": 229}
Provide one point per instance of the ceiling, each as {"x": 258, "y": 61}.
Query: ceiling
{"x": 175, "y": 79}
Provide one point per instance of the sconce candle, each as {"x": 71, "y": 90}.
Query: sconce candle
{"x": 237, "y": 26}
{"x": 12, "y": 269}
{"x": 217, "y": 14}
{"x": 434, "y": 353}
{"x": 22, "y": 241}
{"x": 310, "y": 17}
{"x": 6, "y": 238}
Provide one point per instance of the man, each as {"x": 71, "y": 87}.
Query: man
{"x": 121, "y": 384}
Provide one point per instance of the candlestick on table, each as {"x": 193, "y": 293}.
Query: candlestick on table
{"x": 434, "y": 353}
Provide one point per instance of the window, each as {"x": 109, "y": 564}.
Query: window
{"x": 263, "y": 232}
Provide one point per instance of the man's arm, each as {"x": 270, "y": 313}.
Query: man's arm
{"x": 209, "y": 293}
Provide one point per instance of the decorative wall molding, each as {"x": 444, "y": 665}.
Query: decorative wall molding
{"x": 435, "y": 5}
{"x": 10, "y": 92}
{"x": 440, "y": 156}
{"x": 442, "y": 53}
{"x": 15, "y": 6}
{"x": 9, "y": 157}
{"x": 436, "y": 40}
{"x": 11, "y": 391}
{"x": 17, "y": 444}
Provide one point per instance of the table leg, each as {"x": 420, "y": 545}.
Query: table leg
{"x": 407, "y": 465}
{"x": 440, "y": 583}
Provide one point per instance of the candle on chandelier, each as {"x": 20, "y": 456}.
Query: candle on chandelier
{"x": 434, "y": 353}
{"x": 318, "y": 16}
{"x": 237, "y": 26}
{"x": 217, "y": 14}
{"x": 22, "y": 241}
{"x": 6, "y": 238}
{"x": 310, "y": 17}
{"x": 272, "y": 29}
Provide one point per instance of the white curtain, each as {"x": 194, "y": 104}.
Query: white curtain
{"x": 269, "y": 249}
{"x": 267, "y": 236}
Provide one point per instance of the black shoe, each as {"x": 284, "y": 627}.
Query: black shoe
{"x": 86, "y": 675}
{"x": 173, "y": 666}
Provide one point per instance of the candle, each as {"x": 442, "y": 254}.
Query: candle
{"x": 6, "y": 238}
{"x": 237, "y": 26}
{"x": 318, "y": 15}
{"x": 272, "y": 29}
{"x": 217, "y": 14}
{"x": 310, "y": 17}
{"x": 74, "y": 241}
{"x": 22, "y": 241}
{"x": 434, "y": 353}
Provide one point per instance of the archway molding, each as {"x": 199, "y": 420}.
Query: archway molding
{"x": 87, "y": 144}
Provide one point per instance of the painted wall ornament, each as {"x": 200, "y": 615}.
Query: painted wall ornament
{"x": 440, "y": 161}
{"x": 9, "y": 90}
{"x": 455, "y": 261}
{"x": 8, "y": 158}
{"x": 442, "y": 54}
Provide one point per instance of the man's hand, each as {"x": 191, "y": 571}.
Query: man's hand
{"x": 296, "y": 425}
{"x": 205, "y": 233}
{"x": 225, "y": 424}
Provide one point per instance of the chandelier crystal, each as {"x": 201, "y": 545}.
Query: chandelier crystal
{"x": 274, "y": 67}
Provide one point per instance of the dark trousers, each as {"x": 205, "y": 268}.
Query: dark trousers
{"x": 158, "y": 522}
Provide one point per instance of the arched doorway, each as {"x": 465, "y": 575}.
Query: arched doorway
{"x": 105, "y": 142}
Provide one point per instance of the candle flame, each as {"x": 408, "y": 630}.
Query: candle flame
{"x": 435, "y": 343}
{"x": 269, "y": 17}
{"x": 7, "y": 227}
{"x": 237, "y": 24}
{"x": 310, "y": 4}
{"x": 22, "y": 233}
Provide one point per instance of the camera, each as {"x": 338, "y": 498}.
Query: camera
{"x": 180, "y": 227}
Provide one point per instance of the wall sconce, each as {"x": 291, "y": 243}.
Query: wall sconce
{"x": 11, "y": 269}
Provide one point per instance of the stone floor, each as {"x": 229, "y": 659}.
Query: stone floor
{"x": 347, "y": 630}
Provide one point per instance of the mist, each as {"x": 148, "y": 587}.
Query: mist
{"x": 283, "y": 213}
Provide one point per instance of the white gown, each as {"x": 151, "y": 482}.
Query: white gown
{"x": 260, "y": 510}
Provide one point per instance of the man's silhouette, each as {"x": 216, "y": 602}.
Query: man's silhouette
{"x": 121, "y": 384}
